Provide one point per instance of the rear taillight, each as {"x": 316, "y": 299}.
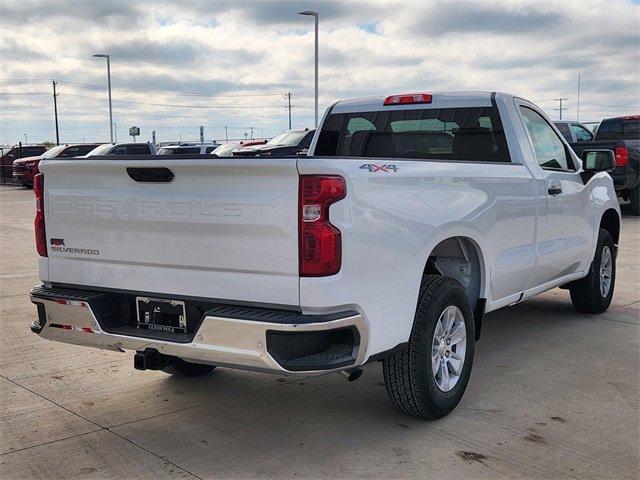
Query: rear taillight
{"x": 622, "y": 156}
{"x": 320, "y": 246}
{"x": 41, "y": 236}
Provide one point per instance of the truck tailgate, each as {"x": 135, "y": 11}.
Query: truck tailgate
{"x": 222, "y": 228}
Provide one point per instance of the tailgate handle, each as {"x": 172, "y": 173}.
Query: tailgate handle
{"x": 150, "y": 174}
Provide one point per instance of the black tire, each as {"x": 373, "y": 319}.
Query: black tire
{"x": 634, "y": 200}
{"x": 408, "y": 376}
{"x": 586, "y": 294}
{"x": 183, "y": 368}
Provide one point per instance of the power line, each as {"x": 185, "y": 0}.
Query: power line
{"x": 612, "y": 106}
{"x": 166, "y": 92}
{"x": 180, "y": 105}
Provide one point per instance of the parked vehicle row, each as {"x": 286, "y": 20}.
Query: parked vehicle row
{"x": 410, "y": 218}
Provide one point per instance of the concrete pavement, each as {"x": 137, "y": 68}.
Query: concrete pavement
{"x": 553, "y": 394}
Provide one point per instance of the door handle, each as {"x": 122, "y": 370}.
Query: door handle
{"x": 554, "y": 189}
{"x": 150, "y": 174}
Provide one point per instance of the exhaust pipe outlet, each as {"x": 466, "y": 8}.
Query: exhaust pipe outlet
{"x": 351, "y": 375}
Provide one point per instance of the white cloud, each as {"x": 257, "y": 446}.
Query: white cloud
{"x": 166, "y": 52}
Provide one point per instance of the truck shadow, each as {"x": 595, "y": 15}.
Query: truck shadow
{"x": 324, "y": 426}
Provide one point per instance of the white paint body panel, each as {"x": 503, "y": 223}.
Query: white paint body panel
{"x": 222, "y": 228}
{"x": 227, "y": 228}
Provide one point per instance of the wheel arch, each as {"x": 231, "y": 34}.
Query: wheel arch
{"x": 610, "y": 221}
{"x": 460, "y": 257}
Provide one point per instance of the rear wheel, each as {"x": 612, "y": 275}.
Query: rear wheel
{"x": 183, "y": 368}
{"x": 429, "y": 378}
{"x": 593, "y": 293}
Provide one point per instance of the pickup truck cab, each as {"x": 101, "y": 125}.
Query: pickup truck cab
{"x": 109, "y": 149}
{"x": 574, "y": 132}
{"x": 412, "y": 216}
{"x": 287, "y": 143}
{"x": 25, "y": 169}
{"x": 621, "y": 135}
{"x": 11, "y": 155}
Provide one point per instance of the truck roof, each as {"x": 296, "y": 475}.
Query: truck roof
{"x": 439, "y": 100}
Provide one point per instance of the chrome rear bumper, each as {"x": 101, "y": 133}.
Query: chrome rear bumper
{"x": 68, "y": 316}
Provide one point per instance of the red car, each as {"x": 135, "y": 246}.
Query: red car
{"x": 8, "y": 156}
{"x": 25, "y": 168}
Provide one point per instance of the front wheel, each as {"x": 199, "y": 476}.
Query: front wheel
{"x": 593, "y": 293}
{"x": 429, "y": 378}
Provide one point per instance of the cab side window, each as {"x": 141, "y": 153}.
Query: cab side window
{"x": 582, "y": 134}
{"x": 548, "y": 148}
{"x": 142, "y": 149}
{"x": 120, "y": 150}
{"x": 564, "y": 130}
{"x": 71, "y": 152}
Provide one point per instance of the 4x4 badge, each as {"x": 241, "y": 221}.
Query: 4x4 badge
{"x": 373, "y": 167}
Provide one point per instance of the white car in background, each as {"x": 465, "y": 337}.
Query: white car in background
{"x": 188, "y": 149}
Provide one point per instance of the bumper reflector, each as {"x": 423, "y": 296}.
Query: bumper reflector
{"x": 71, "y": 327}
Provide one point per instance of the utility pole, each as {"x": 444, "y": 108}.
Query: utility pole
{"x": 115, "y": 128}
{"x": 578, "y": 108}
{"x": 561, "y": 108}
{"x": 226, "y": 134}
{"x": 314, "y": 14}
{"x": 288, "y": 95}
{"x": 102, "y": 55}
{"x": 55, "y": 110}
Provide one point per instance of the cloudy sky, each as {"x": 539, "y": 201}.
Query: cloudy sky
{"x": 177, "y": 65}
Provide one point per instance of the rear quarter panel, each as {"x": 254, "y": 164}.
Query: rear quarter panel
{"x": 390, "y": 222}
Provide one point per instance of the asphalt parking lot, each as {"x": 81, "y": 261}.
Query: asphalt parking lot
{"x": 553, "y": 394}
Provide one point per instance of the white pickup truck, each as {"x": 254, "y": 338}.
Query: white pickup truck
{"x": 412, "y": 216}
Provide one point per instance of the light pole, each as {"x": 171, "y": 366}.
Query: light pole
{"x": 315, "y": 15}
{"x": 102, "y": 55}
{"x": 25, "y": 138}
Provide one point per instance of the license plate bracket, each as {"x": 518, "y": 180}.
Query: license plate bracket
{"x": 161, "y": 314}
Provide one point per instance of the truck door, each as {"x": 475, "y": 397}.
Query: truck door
{"x": 564, "y": 238}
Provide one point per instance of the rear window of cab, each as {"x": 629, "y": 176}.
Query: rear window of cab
{"x": 470, "y": 134}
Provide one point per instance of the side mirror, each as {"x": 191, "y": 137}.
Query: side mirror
{"x": 598, "y": 160}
